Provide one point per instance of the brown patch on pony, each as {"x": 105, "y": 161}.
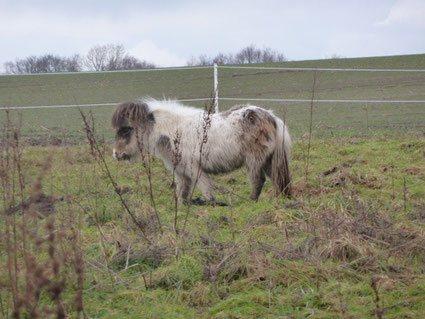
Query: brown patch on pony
{"x": 164, "y": 147}
{"x": 164, "y": 143}
{"x": 259, "y": 129}
{"x": 258, "y": 141}
{"x": 132, "y": 114}
{"x": 265, "y": 151}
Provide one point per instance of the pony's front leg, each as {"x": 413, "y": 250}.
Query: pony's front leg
{"x": 183, "y": 188}
{"x": 257, "y": 178}
{"x": 206, "y": 186}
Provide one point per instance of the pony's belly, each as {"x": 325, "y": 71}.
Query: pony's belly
{"x": 222, "y": 164}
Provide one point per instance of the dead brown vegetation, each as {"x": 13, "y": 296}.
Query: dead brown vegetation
{"x": 41, "y": 252}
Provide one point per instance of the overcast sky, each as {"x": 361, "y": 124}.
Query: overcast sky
{"x": 170, "y": 32}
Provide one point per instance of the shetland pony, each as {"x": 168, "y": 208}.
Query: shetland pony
{"x": 194, "y": 143}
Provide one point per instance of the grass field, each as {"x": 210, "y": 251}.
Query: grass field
{"x": 349, "y": 244}
{"x": 84, "y": 236}
{"x": 328, "y": 118}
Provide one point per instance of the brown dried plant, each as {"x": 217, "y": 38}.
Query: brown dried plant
{"x": 36, "y": 261}
{"x": 98, "y": 153}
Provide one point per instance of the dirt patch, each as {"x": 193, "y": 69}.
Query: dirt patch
{"x": 412, "y": 170}
{"x": 331, "y": 171}
{"x": 336, "y": 169}
{"x": 418, "y": 213}
{"x": 43, "y": 141}
{"x": 340, "y": 175}
{"x": 43, "y": 205}
{"x": 153, "y": 256}
{"x": 303, "y": 188}
{"x": 386, "y": 168}
{"x": 123, "y": 190}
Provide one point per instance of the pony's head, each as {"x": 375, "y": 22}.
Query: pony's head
{"x": 132, "y": 121}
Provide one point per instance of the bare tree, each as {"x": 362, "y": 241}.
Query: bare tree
{"x": 202, "y": 60}
{"x": 97, "y": 57}
{"x": 107, "y": 57}
{"x": 192, "y": 61}
{"x": 112, "y": 57}
{"x": 74, "y": 63}
{"x": 269, "y": 55}
{"x": 9, "y": 67}
{"x": 27, "y": 65}
{"x": 132, "y": 63}
{"x": 116, "y": 55}
{"x": 222, "y": 58}
{"x": 336, "y": 56}
{"x": 249, "y": 54}
{"x": 50, "y": 63}
{"x": 44, "y": 64}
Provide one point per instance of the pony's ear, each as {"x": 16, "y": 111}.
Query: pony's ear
{"x": 132, "y": 114}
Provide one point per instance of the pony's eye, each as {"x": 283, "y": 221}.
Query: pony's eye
{"x": 124, "y": 131}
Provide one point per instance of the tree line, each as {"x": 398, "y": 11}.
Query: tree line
{"x": 247, "y": 55}
{"x": 109, "y": 57}
{"x": 112, "y": 57}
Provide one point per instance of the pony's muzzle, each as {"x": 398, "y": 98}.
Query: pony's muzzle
{"x": 120, "y": 156}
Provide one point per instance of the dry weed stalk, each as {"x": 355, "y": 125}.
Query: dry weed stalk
{"x": 147, "y": 164}
{"x": 310, "y": 128}
{"x": 177, "y": 156}
{"x": 379, "y": 309}
{"x": 341, "y": 306}
{"x": 206, "y": 124}
{"x": 405, "y": 190}
{"x": 36, "y": 258}
{"x": 98, "y": 153}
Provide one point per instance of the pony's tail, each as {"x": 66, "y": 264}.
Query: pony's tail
{"x": 280, "y": 175}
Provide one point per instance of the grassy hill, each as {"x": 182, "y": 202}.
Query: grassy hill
{"x": 328, "y": 118}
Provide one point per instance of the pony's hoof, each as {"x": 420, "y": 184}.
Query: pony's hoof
{"x": 196, "y": 201}
{"x": 213, "y": 203}
{"x": 220, "y": 204}
{"x": 201, "y": 202}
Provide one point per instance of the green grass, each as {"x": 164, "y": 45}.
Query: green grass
{"x": 329, "y": 119}
{"x": 314, "y": 255}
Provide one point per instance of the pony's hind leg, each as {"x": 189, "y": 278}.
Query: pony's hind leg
{"x": 257, "y": 171}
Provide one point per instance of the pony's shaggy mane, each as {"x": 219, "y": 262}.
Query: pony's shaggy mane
{"x": 131, "y": 114}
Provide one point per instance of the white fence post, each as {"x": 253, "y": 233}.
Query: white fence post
{"x": 215, "y": 88}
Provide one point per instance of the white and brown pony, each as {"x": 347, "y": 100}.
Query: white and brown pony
{"x": 194, "y": 143}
